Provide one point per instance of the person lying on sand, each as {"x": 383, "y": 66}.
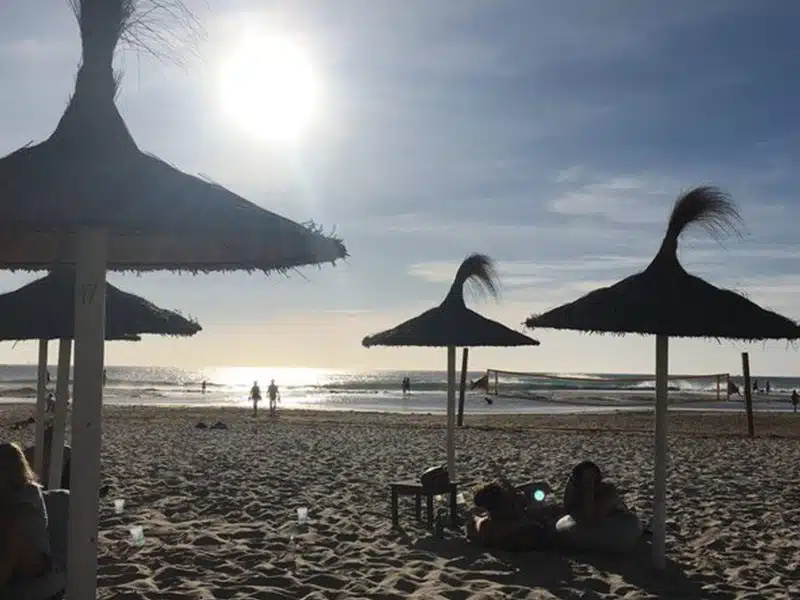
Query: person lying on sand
{"x": 507, "y": 519}
{"x": 24, "y": 541}
{"x": 588, "y": 498}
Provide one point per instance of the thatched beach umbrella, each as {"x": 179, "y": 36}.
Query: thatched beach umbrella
{"x": 452, "y": 324}
{"x": 45, "y": 309}
{"x": 88, "y": 196}
{"x": 666, "y": 301}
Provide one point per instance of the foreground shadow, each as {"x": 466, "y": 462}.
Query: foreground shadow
{"x": 568, "y": 574}
{"x": 637, "y": 570}
{"x": 510, "y": 570}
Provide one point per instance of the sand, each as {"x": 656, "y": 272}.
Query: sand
{"x": 218, "y": 507}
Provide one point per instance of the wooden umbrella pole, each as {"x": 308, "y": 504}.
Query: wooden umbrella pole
{"x": 660, "y": 499}
{"x": 90, "y": 300}
{"x": 41, "y": 399}
{"x": 60, "y": 420}
{"x": 451, "y": 412}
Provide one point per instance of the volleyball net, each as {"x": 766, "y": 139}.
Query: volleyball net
{"x": 498, "y": 382}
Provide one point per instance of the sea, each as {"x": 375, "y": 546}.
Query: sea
{"x": 380, "y": 390}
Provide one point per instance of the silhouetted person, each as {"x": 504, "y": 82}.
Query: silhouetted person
{"x": 755, "y": 385}
{"x": 406, "y": 385}
{"x": 272, "y": 392}
{"x": 105, "y": 378}
{"x": 51, "y": 403}
{"x": 795, "y": 400}
{"x": 766, "y": 387}
{"x": 733, "y": 389}
{"x": 47, "y": 376}
{"x": 203, "y": 386}
{"x": 255, "y": 396}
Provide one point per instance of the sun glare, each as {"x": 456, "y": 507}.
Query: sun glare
{"x": 269, "y": 87}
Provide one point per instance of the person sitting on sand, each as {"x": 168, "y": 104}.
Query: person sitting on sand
{"x": 24, "y": 541}
{"x": 589, "y": 499}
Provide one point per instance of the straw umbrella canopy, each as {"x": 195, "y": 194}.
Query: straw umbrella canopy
{"x": 89, "y": 196}
{"x": 666, "y": 301}
{"x": 452, "y": 324}
{"x": 44, "y": 310}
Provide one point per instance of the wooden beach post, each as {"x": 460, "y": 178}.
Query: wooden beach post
{"x": 41, "y": 403}
{"x": 660, "y": 471}
{"x": 60, "y": 418}
{"x": 748, "y": 394}
{"x": 451, "y": 412}
{"x": 87, "y": 410}
{"x": 463, "y": 390}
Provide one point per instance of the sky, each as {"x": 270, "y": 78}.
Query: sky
{"x": 552, "y": 136}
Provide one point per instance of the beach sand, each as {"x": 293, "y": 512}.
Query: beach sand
{"x": 218, "y": 507}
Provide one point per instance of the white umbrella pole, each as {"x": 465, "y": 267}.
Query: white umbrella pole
{"x": 660, "y": 499}
{"x": 90, "y": 301}
{"x": 41, "y": 399}
{"x": 60, "y": 420}
{"x": 451, "y": 412}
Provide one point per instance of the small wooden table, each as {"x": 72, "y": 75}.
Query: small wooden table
{"x": 414, "y": 488}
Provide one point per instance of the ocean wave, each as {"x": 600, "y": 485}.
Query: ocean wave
{"x": 18, "y": 392}
{"x": 172, "y": 382}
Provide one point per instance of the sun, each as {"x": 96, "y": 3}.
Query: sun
{"x": 269, "y": 87}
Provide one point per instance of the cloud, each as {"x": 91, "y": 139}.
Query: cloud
{"x": 443, "y": 271}
{"x": 621, "y": 199}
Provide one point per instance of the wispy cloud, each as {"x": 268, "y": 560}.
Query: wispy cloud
{"x": 622, "y": 199}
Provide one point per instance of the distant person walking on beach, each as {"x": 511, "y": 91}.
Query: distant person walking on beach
{"x": 755, "y": 385}
{"x": 733, "y": 389}
{"x": 105, "y": 378}
{"x": 203, "y": 386}
{"x": 767, "y": 387}
{"x": 406, "y": 385}
{"x": 272, "y": 392}
{"x": 255, "y": 396}
{"x": 795, "y": 400}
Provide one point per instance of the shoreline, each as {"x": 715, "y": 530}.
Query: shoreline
{"x": 564, "y": 403}
{"x": 711, "y": 423}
